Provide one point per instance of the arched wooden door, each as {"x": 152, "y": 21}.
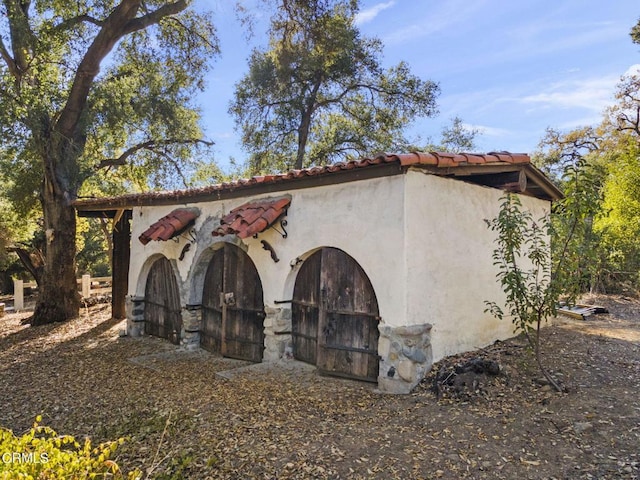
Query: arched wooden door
{"x": 162, "y": 316}
{"x": 335, "y": 316}
{"x": 232, "y": 306}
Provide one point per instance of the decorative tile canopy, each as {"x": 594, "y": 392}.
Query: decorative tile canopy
{"x": 170, "y": 225}
{"x": 253, "y": 217}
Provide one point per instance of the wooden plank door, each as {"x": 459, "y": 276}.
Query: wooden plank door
{"x": 305, "y": 309}
{"x": 233, "y": 309}
{"x": 211, "y": 333}
{"x": 335, "y": 316}
{"x": 348, "y": 324}
{"x": 162, "y": 316}
{"x": 244, "y": 313}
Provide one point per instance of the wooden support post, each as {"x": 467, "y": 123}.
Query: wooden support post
{"x": 86, "y": 286}
{"x": 18, "y": 295}
{"x": 120, "y": 264}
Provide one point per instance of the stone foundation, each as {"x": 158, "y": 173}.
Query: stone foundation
{"x": 135, "y": 315}
{"x": 406, "y": 357}
{"x": 277, "y": 333}
{"x": 191, "y": 324}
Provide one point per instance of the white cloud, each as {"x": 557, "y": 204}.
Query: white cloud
{"x": 592, "y": 94}
{"x": 633, "y": 70}
{"x": 369, "y": 14}
{"x": 440, "y": 17}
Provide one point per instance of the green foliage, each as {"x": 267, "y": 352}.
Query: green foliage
{"x": 635, "y": 33}
{"x": 42, "y": 454}
{"x": 92, "y": 248}
{"x": 618, "y": 223}
{"x": 144, "y": 94}
{"x": 523, "y": 259}
{"x": 90, "y": 87}
{"x": 522, "y": 256}
{"x": 595, "y": 225}
{"x": 180, "y": 466}
{"x": 574, "y": 159}
{"x": 458, "y": 138}
{"x": 455, "y": 137}
{"x": 318, "y": 94}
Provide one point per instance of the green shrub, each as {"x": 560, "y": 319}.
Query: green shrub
{"x": 42, "y": 454}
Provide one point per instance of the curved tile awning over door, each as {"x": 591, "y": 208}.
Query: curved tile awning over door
{"x": 170, "y": 225}
{"x": 253, "y": 217}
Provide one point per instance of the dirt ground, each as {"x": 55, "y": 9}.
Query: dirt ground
{"x": 194, "y": 415}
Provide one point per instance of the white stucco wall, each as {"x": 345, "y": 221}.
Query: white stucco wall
{"x": 421, "y": 239}
{"x": 363, "y": 218}
{"x": 450, "y": 272}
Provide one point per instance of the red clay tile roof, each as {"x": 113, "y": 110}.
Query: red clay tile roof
{"x": 170, "y": 225}
{"x": 252, "y": 218}
{"x": 434, "y": 161}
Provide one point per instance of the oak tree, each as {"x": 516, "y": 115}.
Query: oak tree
{"x": 87, "y": 86}
{"x": 319, "y": 94}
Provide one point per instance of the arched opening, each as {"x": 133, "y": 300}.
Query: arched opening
{"x": 335, "y": 316}
{"x": 162, "y": 316}
{"x": 232, "y": 306}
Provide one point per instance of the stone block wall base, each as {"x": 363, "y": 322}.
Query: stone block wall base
{"x": 135, "y": 316}
{"x": 406, "y": 357}
{"x": 277, "y": 333}
{"x": 191, "y": 325}
{"x": 135, "y": 328}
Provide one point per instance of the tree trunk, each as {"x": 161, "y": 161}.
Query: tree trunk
{"x": 58, "y": 299}
{"x": 303, "y": 136}
{"x": 305, "y": 121}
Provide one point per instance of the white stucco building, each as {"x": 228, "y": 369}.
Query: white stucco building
{"x": 371, "y": 269}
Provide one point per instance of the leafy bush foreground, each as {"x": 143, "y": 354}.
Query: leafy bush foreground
{"x": 42, "y": 454}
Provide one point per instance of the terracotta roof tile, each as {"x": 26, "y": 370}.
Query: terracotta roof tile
{"x": 170, "y": 225}
{"x": 252, "y": 217}
{"x": 431, "y": 159}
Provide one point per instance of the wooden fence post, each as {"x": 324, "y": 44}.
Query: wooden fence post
{"x": 86, "y": 286}
{"x": 18, "y": 295}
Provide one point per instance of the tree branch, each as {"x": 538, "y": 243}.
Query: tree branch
{"x": 176, "y": 165}
{"x": 32, "y": 261}
{"x": 121, "y": 22}
{"x": 72, "y": 22}
{"x": 152, "y": 146}
{"x": 8, "y": 59}
{"x": 154, "y": 17}
{"x": 22, "y": 38}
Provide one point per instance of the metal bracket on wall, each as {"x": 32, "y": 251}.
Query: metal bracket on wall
{"x": 184, "y": 251}
{"x": 267, "y": 246}
{"x": 283, "y": 223}
{"x": 190, "y": 236}
{"x": 295, "y": 262}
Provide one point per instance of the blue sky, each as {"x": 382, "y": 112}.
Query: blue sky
{"x": 508, "y": 68}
